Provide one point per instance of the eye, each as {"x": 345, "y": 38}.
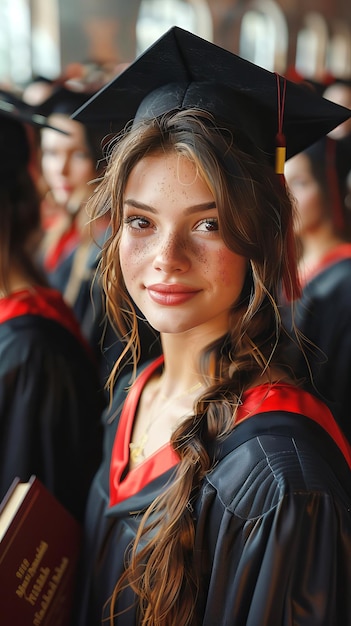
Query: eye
{"x": 300, "y": 182}
{"x": 208, "y": 225}
{"x": 137, "y": 222}
{"x": 81, "y": 154}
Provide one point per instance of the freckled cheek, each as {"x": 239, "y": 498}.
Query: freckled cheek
{"x": 200, "y": 255}
{"x": 230, "y": 268}
{"x": 132, "y": 255}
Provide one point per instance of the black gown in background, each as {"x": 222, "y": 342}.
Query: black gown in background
{"x": 323, "y": 315}
{"x": 51, "y": 399}
{"x": 273, "y": 526}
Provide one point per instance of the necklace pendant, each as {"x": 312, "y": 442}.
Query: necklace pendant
{"x": 137, "y": 449}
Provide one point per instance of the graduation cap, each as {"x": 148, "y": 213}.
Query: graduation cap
{"x": 181, "y": 70}
{"x": 13, "y": 107}
{"x": 63, "y": 100}
{"x": 15, "y": 144}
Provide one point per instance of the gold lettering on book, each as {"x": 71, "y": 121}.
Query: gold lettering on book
{"x": 38, "y": 585}
{"x": 30, "y": 572}
{"x": 38, "y": 582}
{"x": 47, "y": 597}
{"x": 46, "y": 601}
{"x": 22, "y": 568}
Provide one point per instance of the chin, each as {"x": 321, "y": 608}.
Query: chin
{"x": 61, "y": 198}
{"x": 170, "y": 320}
{"x": 172, "y": 326}
{"x": 167, "y": 328}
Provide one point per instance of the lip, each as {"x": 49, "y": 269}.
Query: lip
{"x": 171, "y": 295}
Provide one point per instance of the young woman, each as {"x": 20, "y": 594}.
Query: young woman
{"x": 323, "y": 312}
{"x": 50, "y": 394}
{"x": 221, "y": 479}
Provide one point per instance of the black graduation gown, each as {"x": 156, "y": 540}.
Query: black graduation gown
{"x": 273, "y": 529}
{"x": 323, "y": 315}
{"x": 51, "y": 403}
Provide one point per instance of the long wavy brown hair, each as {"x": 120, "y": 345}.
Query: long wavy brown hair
{"x": 255, "y": 215}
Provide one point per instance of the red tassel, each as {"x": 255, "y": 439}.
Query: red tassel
{"x": 333, "y": 185}
{"x": 291, "y": 283}
{"x": 280, "y": 141}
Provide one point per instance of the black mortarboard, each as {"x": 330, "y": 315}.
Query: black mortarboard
{"x": 15, "y": 148}
{"x": 191, "y": 71}
{"x": 64, "y": 100}
{"x": 13, "y": 107}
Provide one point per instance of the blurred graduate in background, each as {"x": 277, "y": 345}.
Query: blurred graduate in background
{"x": 51, "y": 397}
{"x": 318, "y": 183}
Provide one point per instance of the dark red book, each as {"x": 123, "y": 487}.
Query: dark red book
{"x": 39, "y": 550}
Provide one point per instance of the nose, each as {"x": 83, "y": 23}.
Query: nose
{"x": 62, "y": 165}
{"x": 172, "y": 254}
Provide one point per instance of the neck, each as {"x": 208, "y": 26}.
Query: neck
{"x": 179, "y": 376}
{"x": 182, "y": 354}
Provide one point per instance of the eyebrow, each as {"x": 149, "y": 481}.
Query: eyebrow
{"x": 206, "y": 206}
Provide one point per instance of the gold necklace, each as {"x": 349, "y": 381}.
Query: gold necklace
{"x": 137, "y": 449}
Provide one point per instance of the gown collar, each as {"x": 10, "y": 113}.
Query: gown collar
{"x": 265, "y": 398}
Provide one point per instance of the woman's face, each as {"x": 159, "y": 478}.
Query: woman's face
{"x": 67, "y": 163}
{"x": 175, "y": 264}
{"x": 307, "y": 192}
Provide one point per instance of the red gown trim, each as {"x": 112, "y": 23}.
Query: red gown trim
{"x": 62, "y": 248}
{"x": 43, "y": 301}
{"x": 153, "y": 466}
{"x": 260, "y": 399}
{"x": 339, "y": 253}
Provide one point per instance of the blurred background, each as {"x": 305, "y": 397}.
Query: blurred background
{"x": 49, "y": 38}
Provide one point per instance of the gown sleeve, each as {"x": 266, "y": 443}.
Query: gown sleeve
{"x": 276, "y": 550}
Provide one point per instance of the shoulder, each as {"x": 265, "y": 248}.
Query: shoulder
{"x": 24, "y": 331}
{"x": 332, "y": 279}
{"x": 35, "y": 309}
{"x": 40, "y": 330}
{"x": 43, "y": 347}
{"x": 273, "y": 455}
